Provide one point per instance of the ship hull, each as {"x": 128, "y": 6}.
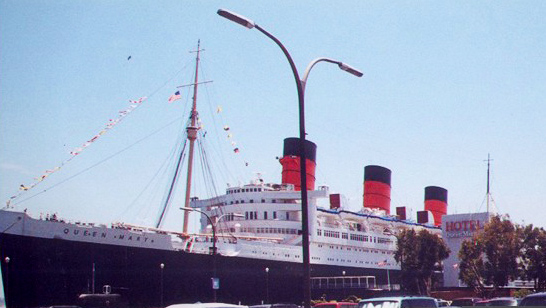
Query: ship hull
{"x": 46, "y": 272}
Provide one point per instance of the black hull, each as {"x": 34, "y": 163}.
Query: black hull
{"x": 46, "y": 272}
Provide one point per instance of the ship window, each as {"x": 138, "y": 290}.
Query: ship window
{"x": 251, "y": 200}
{"x": 263, "y": 200}
{"x": 274, "y": 215}
{"x": 265, "y": 215}
{"x": 273, "y": 201}
{"x": 246, "y": 215}
{"x": 287, "y": 216}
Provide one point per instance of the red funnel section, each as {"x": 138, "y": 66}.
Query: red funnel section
{"x": 436, "y": 203}
{"x": 377, "y": 188}
{"x": 291, "y": 163}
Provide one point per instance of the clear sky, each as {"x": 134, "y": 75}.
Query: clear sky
{"x": 446, "y": 83}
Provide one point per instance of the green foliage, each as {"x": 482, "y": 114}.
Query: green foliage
{"x": 533, "y": 256}
{"x": 491, "y": 257}
{"x": 419, "y": 255}
{"x": 522, "y": 293}
{"x": 352, "y": 299}
{"x": 471, "y": 265}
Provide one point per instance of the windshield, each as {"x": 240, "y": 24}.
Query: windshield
{"x": 463, "y": 302}
{"x": 534, "y": 301}
{"x": 418, "y": 302}
{"x": 503, "y": 302}
{"x": 379, "y": 304}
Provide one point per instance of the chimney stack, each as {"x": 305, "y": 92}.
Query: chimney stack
{"x": 291, "y": 163}
{"x": 436, "y": 202}
{"x": 377, "y": 188}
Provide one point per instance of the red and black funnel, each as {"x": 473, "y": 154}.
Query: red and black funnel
{"x": 377, "y": 188}
{"x": 436, "y": 202}
{"x": 291, "y": 163}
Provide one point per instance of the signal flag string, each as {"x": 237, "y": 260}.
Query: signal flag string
{"x": 134, "y": 104}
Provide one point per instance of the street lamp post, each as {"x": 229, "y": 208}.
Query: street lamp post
{"x": 213, "y": 252}
{"x": 6, "y": 288}
{"x": 161, "y": 266}
{"x": 300, "y": 83}
{"x": 267, "y": 285}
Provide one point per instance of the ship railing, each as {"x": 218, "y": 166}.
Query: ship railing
{"x": 136, "y": 228}
{"x": 344, "y": 282}
{"x": 208, "y": 237}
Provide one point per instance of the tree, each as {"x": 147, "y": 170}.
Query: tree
{"x": 471, "y": 265}
{"x": 533, "y": 256}
{"x": 420, "y": 255}
{"x": 491, "y": 257}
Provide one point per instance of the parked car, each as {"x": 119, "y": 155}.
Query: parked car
{"x": 503, "y": 301}
{"x": 465, "y": 301}
{"x": 206, "y": 305}
{"x": 336, "y": 305}
{"x": 278, "y": 305}
{"x": 537, "y": 299}
{"x": 443, "y": 302}
{"x": 398, "y": 302}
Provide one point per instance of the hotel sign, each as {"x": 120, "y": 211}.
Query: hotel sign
{"x": 462, "y": 228}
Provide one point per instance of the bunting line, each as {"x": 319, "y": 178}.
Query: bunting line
{"x": 133, "y": 104}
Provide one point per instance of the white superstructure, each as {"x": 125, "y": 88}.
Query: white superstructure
{"x": 263, "y": 221}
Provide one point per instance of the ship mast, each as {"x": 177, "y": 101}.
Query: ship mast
{"x": 191, "y": 132}
{"x": 192, "y": 135}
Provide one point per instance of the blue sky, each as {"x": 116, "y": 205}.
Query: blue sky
{"x": 446, "y": 83}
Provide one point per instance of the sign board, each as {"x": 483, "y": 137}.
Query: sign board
{"x": 215, "y": 283}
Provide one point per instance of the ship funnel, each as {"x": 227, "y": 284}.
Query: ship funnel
{"x": 436, "y": 203}
{"x": 291, "y": 163}
{"x": 377, "y": 188}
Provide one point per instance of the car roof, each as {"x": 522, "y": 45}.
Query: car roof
{"x": 206, "y": 305}
{"x": 537, "y": 294}
{"x": 396, "y": 298}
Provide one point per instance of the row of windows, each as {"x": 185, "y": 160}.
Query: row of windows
{"x": 382, "y": 240}
{"x": 254, "y": 215}
{"x": 286, "y": 255}
{"x": 354, "y": 237}
{"x": 251, "y": 215}
{"x": 277, "y": 230}
{"x": 270, "y": 230}
{"x": 242, "y": 201}
{"x": 243, "y": 190}
{"x": 359, "y": 237}
{"x": 357, "y": 249}
{"x": 334, "y": 234}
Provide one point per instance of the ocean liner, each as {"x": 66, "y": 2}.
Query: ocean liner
{"x": 249, "y": 240}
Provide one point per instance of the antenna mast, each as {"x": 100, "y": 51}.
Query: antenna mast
{"x": 488, "y": 176}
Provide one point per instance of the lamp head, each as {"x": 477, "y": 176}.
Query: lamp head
{"x": 243, "y": 21}
{"x": 350, "y": 69}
